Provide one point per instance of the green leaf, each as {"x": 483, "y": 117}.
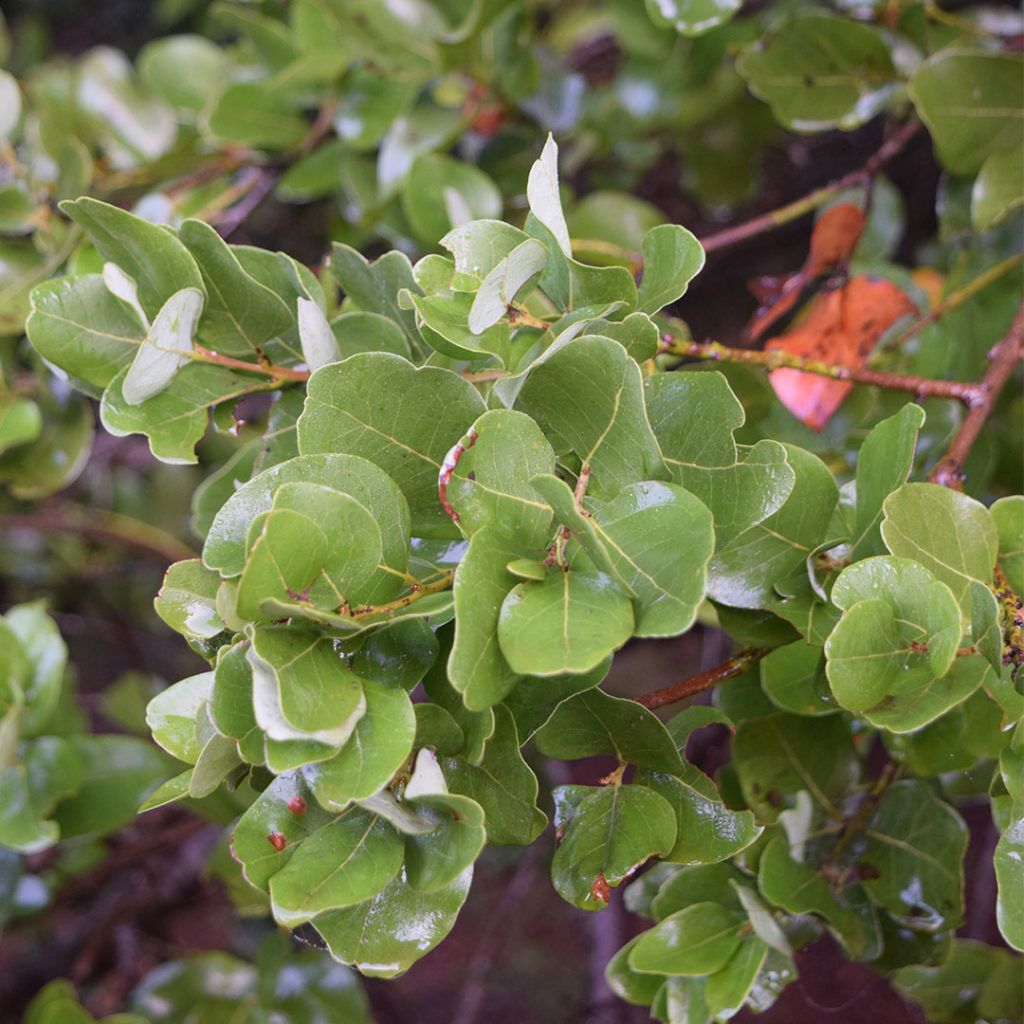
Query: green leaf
{"x": 399, "y": 655}
{"x": 41, "y": 681}
{"x": 259, "y": 114}
{"x": 594, "y": 722}
{"x": 491, "y": 482}
{"x": 119, "y": 772}
{"x": 697, "y": 940}
{"x": 302, "y": 687}
{"x": 241, "y": 312}
{"x": 694, "y": 416}
{"x": 502, "y": 783}
{"x": 820, "y": 72}
{"x": 231, "y": 706}
{"x": 780, "y": 754}
{"x": 385, "y": 935}
{"x": 1008, "y": 514}
{"x": 971, "y": 103}
{"x": 375, "y": 287}
{"x": 896, "y": 641}
{"x": 568, "y": 623}
{"x": 10, "y": 104}
{"x": 883, "y": 464}
{"x": 744, "y": 572}
{"x": 499, "y": 288}
{"x": 434, "y": 860}
{"x": 614, "y": 216}
{"x": 952, "y": 535}
{"x": 77, "y": 324}
{"x": 916, "y": 845}
{"x": 378, "y": 747}
{"x": 443, "y": 193}
{"x": 478, "y": 247}
{"x": 672, "y": 258}
{"x": 800, "y": 888}
{"x": 160, "y": 63}
{"x": 369, "y": 332}
{"x": 477, "y": 666}
{"x": 692, "y": 17}
{"x": 709, "y": 882}
{"x": 171, "y": 715}
{"x": 628, "y": 984}
{"x": 996, "y": 193}
{"x": 148, "y": 253}
{"x": 20, "y": 422}
{"x": 405, "y": 420}
{"x": 544, "y": 198}
{"x": 727, "y": 989}
{"x": 49, "y": 769}
{"x": 187, "y": 601}
{"x": 793, "y": 678}
{"x": 707, "y": 830}
{"x": 1009, "y": 856}
{"x": 613, "y": 830}
{"x": 600, "y": 417}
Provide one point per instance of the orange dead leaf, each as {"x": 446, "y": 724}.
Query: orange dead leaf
{"x": 834, "y": 238}
{"x": 841, "y": 328}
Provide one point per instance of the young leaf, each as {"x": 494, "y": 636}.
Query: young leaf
{"x": 672, "y": 258}
{"x": 697, "y": 940}
{"x": 544, "y": 198}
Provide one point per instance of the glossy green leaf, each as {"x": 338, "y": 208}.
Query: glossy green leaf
{"x": 971, "y": 103}
{"x": 896, "y": 641}
{"x": 613, "y": 830}
{"x": 259, "y": 114}
{"x": 952, "y": 535}
{"x": 1009, "y": 857}
{"x": 672, "y": 258}
{"x": 802, "y": 889}
{"x": 341, "y": 864}
{"x": 387, "y": 934}
{"x": 996, "y": 193}
{"x": 160, "y": 63}
{"x": 50, "y": 769}
{"x": 477, "y": 248}
{"x": 637, "y": 334}
{"x": 697, "y": 940}
{"x": 694, "y": 416}
{"x": 820, "y": 72}
{"x": 148, "y": 253}
{"x": 1008, "y": 514}
{"x": 405, "y": 420}
{"x": 628, "y": 984}
{"x": 378, "y": 747}
{"x": 915, "y": 851}
{"x": 434, "y": 860}
{"x": 601, "y": 417}
{"x": 491, "y": 483}
{"x": 41, "y": 681}
{"x": 594, "y": 722}
{"x": 610, "y": 215}
{"x": 883, "y": 464}
{"x": 399, "y": 655}
{"x": 780, "y": 754}
{"x": 20, "y": 422}
{"x": 187, "y": 600}
{"x": 727, "y": 989}
{"x": 502, "y": 783}
{"x": 499, "y": 288}
{"x": 745, "y": 571}
{"x": 793, "y": 678}
{"x": 241, "y": 312}
{"x": 171, "y": 715}
{"x": 300, "y": 676}
{"x": 443, "y": 193}
{"x": 692, "y": 17}
{"x": 568, "y": 623}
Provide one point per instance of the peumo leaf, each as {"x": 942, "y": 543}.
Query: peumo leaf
{"x": 171, "y": 715}
{"x": 50, "y": 768}
{"x": 971, "y": 103}
{"x": 692, "y": 17}
{"x": 672, "y": 258}
{"x": 694, "y": 416}
{"x": 612, "y": 831}
{"x": 995, "y": 194}
{"x": 594, "y": 722}
{"x": 426, "y": 198}
{"x": 820, "y": 72}
{"x": 544, "y": 198}
{"x": 387, "y": 934}
{"x": 1008, "y": 514}
{"x": 148, "y": 253}
{"x": 601, "y": 418}
{"x": 916, "y": 848}
{"x": 378, "y": 747}
{"x": 491, "y": 483}
{"x": 404, "y": 420}
{"x": 501, "y": 783}
{"x": 895, "y": 642}
{"x": 727, "y": 989}
{"x": 883, "y": 464}
{"x": 568, "y": 623}
{"x": 499, "y": 288}
{"x": 434, "y": 860}
{"x": 40, "y": 677}
{"x": 697, "y": 940}
{"x": 952, "y": 535}
{"x": 1009, "y": 856}
{"x": 744, "y": 572}
{"x": 187, "y": 601}
{"x": 259, "y": 114}
{"x": 301, "y": 677}
{"x": 628, "y": 984}
{"x": 477, "y": 248}
{"x": 779, "y": 755}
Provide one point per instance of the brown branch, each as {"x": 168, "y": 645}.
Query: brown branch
{"x": 969, "y": 392}
{"x": 278, "y": 373}
{"x": 105, "y": 527}
{"x": 950, "y": 470}
{"x": 253, "y": 187}
{"x": 735, "y": 666}
{"x": 792, "y": 211}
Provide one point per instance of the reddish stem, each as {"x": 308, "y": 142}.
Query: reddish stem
{"x": 735, "y": 666}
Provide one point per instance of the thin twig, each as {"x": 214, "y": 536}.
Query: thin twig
{"x": 968, "y": 392}
{"x": 278, "y": 373}
{"x": 257, "y": 185}
{"x": 792, "y": 211}
{"x": 950, "y": 470}
{"x": 735, "y": 666}
{"x": 105, "y": 527}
